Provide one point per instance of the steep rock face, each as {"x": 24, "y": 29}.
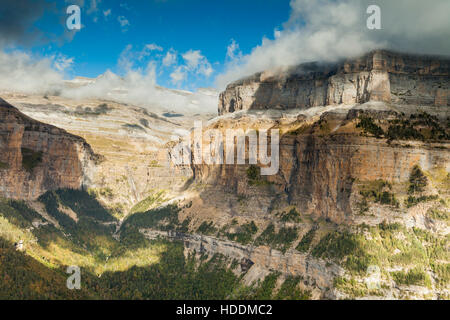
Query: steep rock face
{"x": 321, "y": 160}
{"x": 378, "y": 76}
{"x": 37, "y": 157}
{"x": 315, "y": 272}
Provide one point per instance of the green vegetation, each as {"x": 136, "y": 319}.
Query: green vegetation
{"x": 422, "y": 126}
{"x": 403, "y": 130}
{"x": 354, "y": 288}
{"x": 173, "y": 277}
{"x": 369, "y": 126}
{"x": 442, "y": 271}
{"x": 25, "y": 278}
{"x": 18, "y": 213}
{"x": 254, "y": 176}
{"x": 146, "y": 270}
{"x": 3, "y": 165}
{"x": 291, "y": 216}
{"x": 244, "y": 233}
{"x": 386, "y": 246}
{"x": 337, "y": 245}
{"x": 430, "y": 126}
{"x": 165, "y": 218}
{"x": 438, "y": 214}
{"x": 79, "y": 201}
{"x": 417, "y": 180}
{"x": 31, "y": 159}
{"x": 306, "y": 241}
{"x": 412, "y": 201}
{"x": 417, "y": 184}
{"x": 207, "y": 228}
{"x": 289, "y": 290}
{"x": 265, "y": 290}
{"x": 149, "y": 202}
{"x": 377, "y": 191}
{"x": 281, "y": 240}
{"x": 414, "y": 276}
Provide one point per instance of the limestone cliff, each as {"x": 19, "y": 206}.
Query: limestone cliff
{"x": 37, "y": 157}
{"x": 378, "y": 76}
{"x": 324, "y": 156}
{"x": 351, "y": 136}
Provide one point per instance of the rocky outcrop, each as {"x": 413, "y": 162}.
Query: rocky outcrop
{"x": 378, "y": 76}
{"x": 315, "y": 272}
{"x": 322, "y": 157}
{"x": 37, "y": 157}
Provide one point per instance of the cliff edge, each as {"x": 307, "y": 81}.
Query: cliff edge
{"x": 36, "y": 157}
{"x": 377, "y": 76}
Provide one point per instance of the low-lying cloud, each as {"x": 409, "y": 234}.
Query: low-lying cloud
{"x": 25, "y": 73}
{"x": 328, "y": 30}
{"x": 22, "y": 72}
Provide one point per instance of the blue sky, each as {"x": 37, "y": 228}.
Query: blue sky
{"x": 188, "y": 44}
{"x": 180, "y": 25}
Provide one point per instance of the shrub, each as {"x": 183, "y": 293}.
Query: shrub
{"x": 417, "y": 180}
{"x": 291, "y": 216}
{"x": 412, "y": 201}
{"x": 414, "y": 276}
{"x": 376, "y": 191}
{"x": 281, "y": 240}
{"x": 207, "y": 228}
{"x": 289, "y": 290}
{"x": 306, "y": 241}
{"x": 31, "y": 159}
{"x": 244, "y": 234}
{"x": 369, "y": 126}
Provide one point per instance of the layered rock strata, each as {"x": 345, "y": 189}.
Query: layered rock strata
{"x": 36, "y": 157}
{"x": 378, "y": 76}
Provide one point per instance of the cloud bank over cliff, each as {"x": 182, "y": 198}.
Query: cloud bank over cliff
{"x": 37, "y": 75}
{"x": 328, "y": 30}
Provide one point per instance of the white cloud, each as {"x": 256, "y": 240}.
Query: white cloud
{"x": 24, "y": 73}
{"x": 153, "y": 46}
{"x": 170, "y": 58}
{"x": 197, "y": 63}
{"x": 63, "y": 63}
{"x": 126, "y": 58}
{"x": 124, "y": 23}
{"x": 233, "y": 51}
{"x": 327, "y": 30}
{"x": 206, "y": 70}
{"x": 31, "y": 75}
{"x": 178, "y": 75}
{"x": 139, "y": 87}
{"x": 192, "y": 58}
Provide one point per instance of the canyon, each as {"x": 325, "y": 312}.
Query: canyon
{"x": 352, "y": 136}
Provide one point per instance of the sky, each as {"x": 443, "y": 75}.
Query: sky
{"x": 138, "y": 45}
{"x": 151, "y": 30}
